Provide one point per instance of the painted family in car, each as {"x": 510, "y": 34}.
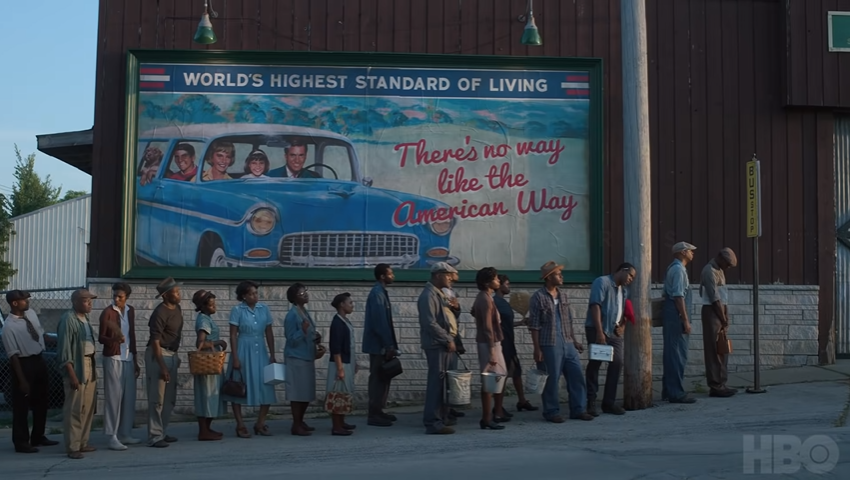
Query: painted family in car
{"x": 228, "y": 195}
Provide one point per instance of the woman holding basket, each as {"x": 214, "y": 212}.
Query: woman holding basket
{"x": 208, "y": 403}
{"x": 250, "y": 334}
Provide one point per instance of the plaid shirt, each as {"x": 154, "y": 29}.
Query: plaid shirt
{"x": 542, "y": 317}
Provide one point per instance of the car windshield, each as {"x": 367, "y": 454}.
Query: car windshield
{"x": 261, "y": 156}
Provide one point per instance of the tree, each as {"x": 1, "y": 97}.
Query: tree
{"x": 30, "y": 192}
{"x": 72, "y": 194}
{"x": 6, "y": 232}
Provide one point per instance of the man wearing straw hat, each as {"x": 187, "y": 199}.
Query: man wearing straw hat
{"x": 438, "y": 343}
{"x": 715, "y": 319}
{"x": 556, "y": 349}
{"x": 161, "y": 362}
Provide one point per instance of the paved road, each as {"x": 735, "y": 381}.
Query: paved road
{"x": 699, "y": 441}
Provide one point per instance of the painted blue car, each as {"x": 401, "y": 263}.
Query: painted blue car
{"x": 199, "y": 203}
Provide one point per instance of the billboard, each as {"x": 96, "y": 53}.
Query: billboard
{"x": 320, "y": 166}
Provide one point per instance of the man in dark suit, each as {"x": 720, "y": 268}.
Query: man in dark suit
{"x": 380, "y": 342}
{"x": 296, "y": 156}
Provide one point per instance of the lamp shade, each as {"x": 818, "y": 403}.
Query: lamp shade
{"x": 205, "y": 34}
{"x": 531, "y": 36}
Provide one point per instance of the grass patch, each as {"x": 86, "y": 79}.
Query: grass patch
{"x": 55, "y": 431}
{"x": 698, "y": 387}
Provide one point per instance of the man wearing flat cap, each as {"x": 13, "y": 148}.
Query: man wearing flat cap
{"x": 677, "y": 324}
{"x": 437, "y": 341}
{"x": 715, "y": 319}
{"x": 556, "y": 348}
{"x": 161, "y": 362}
{"x": 76, "y": 339}
{"x": 23, "y": 340}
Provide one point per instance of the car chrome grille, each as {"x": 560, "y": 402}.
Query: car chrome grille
{"x": 343, "y": 249}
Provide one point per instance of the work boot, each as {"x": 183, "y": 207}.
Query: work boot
{"x": 591, "y": 408}
{"x": 613, "y": 409}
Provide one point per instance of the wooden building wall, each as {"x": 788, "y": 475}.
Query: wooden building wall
{"x": 813, "y": 76}
{"x": 717, "y": 96}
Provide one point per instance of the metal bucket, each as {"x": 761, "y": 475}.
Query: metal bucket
{"x": 493, "y": 382}
{"x": 457, "y": 385}
{"x": 534, "y": 381}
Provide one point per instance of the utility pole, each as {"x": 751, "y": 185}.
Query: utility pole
{"x": 637, "y": 380}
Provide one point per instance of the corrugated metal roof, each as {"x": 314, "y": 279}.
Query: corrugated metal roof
{"x": 50, "y": 247}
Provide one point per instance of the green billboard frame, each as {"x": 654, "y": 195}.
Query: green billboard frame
{"x": 593, "y": 66}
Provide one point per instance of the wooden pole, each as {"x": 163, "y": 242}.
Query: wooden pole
{"x": 637, "y": 379}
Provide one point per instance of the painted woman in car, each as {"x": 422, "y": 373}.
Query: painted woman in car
{"x": 220, "y": 156}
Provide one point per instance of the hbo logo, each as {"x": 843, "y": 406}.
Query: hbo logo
{"x": 785, "y": 454}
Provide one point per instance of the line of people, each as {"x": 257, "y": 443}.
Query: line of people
{"x": 550, "y": 322}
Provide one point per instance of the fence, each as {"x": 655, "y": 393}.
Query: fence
{"x": 48, "y": 305}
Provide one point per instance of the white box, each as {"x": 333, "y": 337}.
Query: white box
{"x": 274, "y": 374}
{"x": 602, "y": 353}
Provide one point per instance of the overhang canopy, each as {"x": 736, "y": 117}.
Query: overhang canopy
{"x": 73, "y": 148}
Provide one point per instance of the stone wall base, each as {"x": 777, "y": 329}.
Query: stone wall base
{"x": 788, "y": 324}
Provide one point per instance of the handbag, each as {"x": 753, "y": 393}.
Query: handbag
{"x": 320, "y": 351}
{"x": 724, "y": 344}
{"x": 234, "y": 388}
{"x": 391, "y": 369}
{"x": 338, "y": 401}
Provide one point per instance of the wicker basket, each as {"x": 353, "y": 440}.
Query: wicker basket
{"x": 206, "y": 362}
{"x": 520, "y": 302}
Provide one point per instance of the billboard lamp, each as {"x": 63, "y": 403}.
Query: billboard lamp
{"x": 531, "y": 36}
{"x": 205, "y": 34}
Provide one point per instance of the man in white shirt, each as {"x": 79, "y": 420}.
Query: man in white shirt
{"x": 23, "y": 339}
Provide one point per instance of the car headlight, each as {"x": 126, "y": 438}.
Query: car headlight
{"x": 262, "y": 221}
{"x": 442, "y": 228}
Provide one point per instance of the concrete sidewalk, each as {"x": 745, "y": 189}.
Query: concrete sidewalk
{"x": 696, "y": 385}
{"x": 704, "y": 440}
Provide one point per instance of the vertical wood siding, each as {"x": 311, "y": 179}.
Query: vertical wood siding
{"x": 717, "y": 85}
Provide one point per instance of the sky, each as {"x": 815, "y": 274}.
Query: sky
{"x": 48, "y": 55}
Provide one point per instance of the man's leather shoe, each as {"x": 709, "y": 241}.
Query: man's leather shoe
{"x": 726, "y": 392}
{"x": 45, "y": 442}
{"x": 25, "y": 449}
{"x": 378, "y": 422}
{"x": 613, "y": 409}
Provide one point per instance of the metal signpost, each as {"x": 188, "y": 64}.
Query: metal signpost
{"x": 754, "y": 232}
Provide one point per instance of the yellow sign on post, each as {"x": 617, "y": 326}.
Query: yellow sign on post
{"x": 753, "y": 198}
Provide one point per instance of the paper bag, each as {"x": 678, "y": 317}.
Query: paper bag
{"x": 724, "y": 345}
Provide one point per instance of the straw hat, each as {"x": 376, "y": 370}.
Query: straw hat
{"x": 549, "y": 268}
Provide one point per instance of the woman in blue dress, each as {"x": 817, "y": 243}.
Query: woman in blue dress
{"x": 250, "y": 324}
{"x": 208, "y": 404}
